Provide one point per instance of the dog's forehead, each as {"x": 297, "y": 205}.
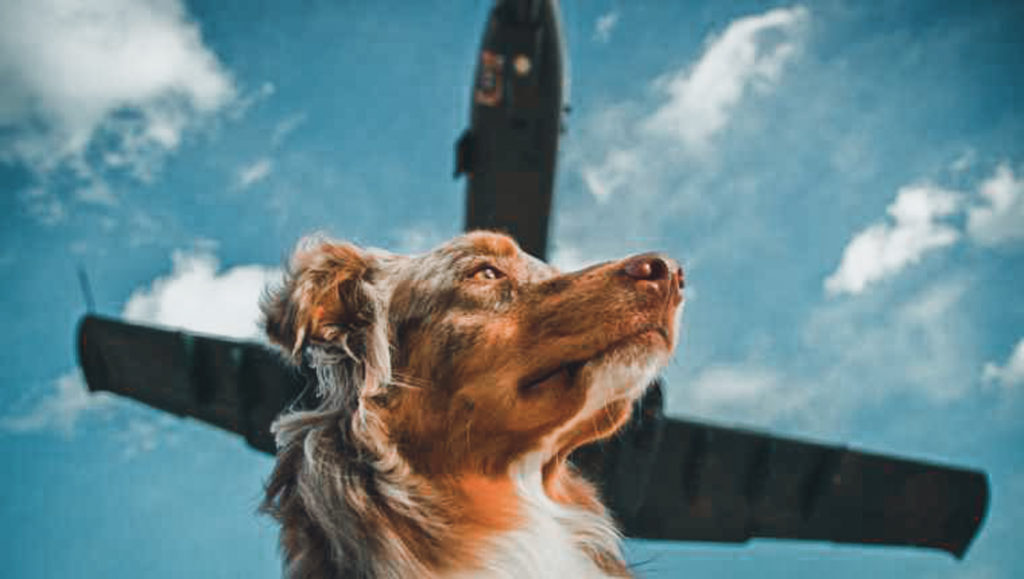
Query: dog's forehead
{"x": 480, "y": 243}
{"x": 447, "y": 259}
{"x": 489, "y": 244}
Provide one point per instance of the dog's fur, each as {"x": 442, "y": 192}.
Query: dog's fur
{"x": 452, "y": 387}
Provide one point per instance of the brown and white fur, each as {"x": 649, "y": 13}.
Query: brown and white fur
{"x": 452, "y": 387}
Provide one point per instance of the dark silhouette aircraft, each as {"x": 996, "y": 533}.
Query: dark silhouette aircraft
{"x": 517, "y": 106}
{"x": 664, "y": 478}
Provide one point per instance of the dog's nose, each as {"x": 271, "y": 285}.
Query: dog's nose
{"x": 655, "y": 268}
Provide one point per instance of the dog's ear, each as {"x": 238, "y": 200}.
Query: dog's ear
{"x": 327, "y": 297}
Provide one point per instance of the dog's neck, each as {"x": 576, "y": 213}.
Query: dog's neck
{"x": 557, "y": 537}
{"x": 347, "y": 510}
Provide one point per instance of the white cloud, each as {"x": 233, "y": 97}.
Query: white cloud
{"x": 242, "y": 104}
{"x": 965, "y": 161}
{"x": 96, "y": 193}
{"x": 418, "y": 239}
{"x": 635, "y": 148}
{"x": 61, "y": 409}
{"x": 570, "y": 258}
{"x": 286, "y": 127}
{"x": 70, "y": 403}
{"x": 916, "y": 228}
{"x": 142, "y": 229}
{"x": 43, "y": 206}
{"x": 857, "y": 355}
{"x": 604, "y": 25}
{"x": 1011, "y": 373}
{"x": 253, "y": 173}
{"x": 749, "y": 55}
{"x": 743, "y": 392}
{"x": 196, "y": 297}
{"x": 142, "y": 435}
{"x": 620, "y": 169}
{"x": 874, "y": 349}
{"x": 927, "y": 341}
{"x": 1001, "y": 219}
{"x": 884, "y": 249}
{"x": 126, "y": 76}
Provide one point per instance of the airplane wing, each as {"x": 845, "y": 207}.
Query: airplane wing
{"x": 664, "y": 478}
{"x": 681, "y": 480}
{"x": 237, "y": 386}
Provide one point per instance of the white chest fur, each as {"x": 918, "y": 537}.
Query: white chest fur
{"x": 550, "y": 543}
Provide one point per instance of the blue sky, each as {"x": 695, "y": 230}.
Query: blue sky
{"x": 843, "y": 181}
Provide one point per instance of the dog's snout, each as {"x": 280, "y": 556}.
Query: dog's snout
{"x": 655, "y": 268}
{"x": 647, "y": 268}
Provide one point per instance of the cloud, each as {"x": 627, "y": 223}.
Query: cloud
{"x": 749, "y": 56}
{"x": 196, "y": 297}
{"x": 1011, "y": 373}
{"x": 746, "y": 392}
{"x": 639, "y": 147}
{"x": 242, "y": 104}
{"x": 965, "y": 161}
{"x": 79, "y": 247}
{"x": 856, "y": 356}
{"x": 70, "y": 403}
{"x": 142, "y": 435}
{"x": 570, "y": 257}
{"x": 916, "y": 228}
{"x": 86, "y": 86}
{"x": 884, "y": 249}
{"x": 1001, "y": 219}
{"x": 880, "y": 347}
{"x": 43, "y": 206}
{"x": 286, "y": 127}
{"x": 620, "y": 169}
{"x": 418, "y": 238}
{"x": 253, "y": 173}
{"x": 604, "y": 25}
{"x": 929, "y": 328}
{"x": 142, "y": 228}
{"x": 61, "y": 409}
{"x": 96, "y": 193}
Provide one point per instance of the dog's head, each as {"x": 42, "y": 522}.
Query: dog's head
{"x": 476, "y": 354}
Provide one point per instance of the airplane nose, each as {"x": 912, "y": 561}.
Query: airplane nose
{"x": 653, "y": 267}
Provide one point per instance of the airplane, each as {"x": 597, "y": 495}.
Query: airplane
{"x": 663, "y": 477}
{"x": 519, "y": 101}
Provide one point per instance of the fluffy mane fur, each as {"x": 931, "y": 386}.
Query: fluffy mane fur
{"x": 429, "y": 454}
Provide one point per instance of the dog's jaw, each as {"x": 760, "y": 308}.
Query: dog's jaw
{"x": 614, "y": 379}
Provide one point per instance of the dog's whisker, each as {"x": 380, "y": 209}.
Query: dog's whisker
{"x": 403, "y": 380}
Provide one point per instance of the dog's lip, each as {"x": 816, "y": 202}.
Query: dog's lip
{"x": 572, "y": 368}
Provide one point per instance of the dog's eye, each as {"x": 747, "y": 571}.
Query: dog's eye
{"x": 487, "y": 272}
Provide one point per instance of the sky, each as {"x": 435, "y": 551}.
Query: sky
{"x": 843, "y": 182}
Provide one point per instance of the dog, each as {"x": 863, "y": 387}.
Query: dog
{"x": 452, "y": 387}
